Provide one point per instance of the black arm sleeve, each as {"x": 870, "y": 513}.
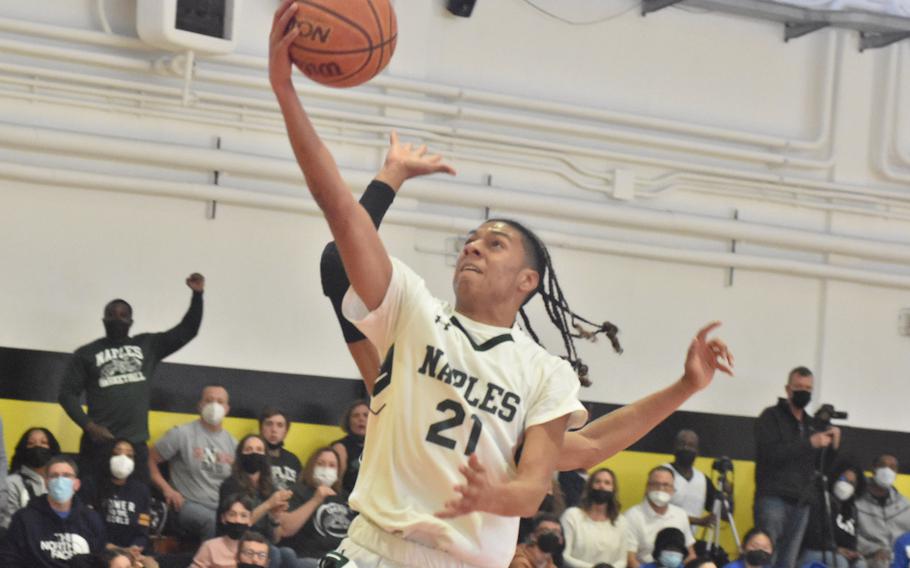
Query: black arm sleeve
{"x": 175, "y": 338}
{"x": 376, "y": 200}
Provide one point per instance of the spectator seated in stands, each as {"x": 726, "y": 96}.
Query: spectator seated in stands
{"x": 319, "y": 516}
{"x": 757, "y": 550}
{"x": 123, "y": 503}
{"x": 251, "y": 476}
{"x": 273, "y": 427}
{"x": 543, "y": 548}
{"x": 350, "y": 448}
{"x": 694, "y": 493}
{"x": 236, "y": 513}
{"x": 199, "y": 455}
{"x": 653, "y": 514}
{"x": 253, "y": 550}
{"x": 670, "y": 549}
{"x": 26, "y": 480}
{"x": 596, "y": 531}
{"x": 553, "y": 503}
{"x": 701, "y": 562}
{"x": 882, "y": 514}
{"x": 51, "y": 531}
{"x": 115, "y": 558}
{"x": 845, "y": 483}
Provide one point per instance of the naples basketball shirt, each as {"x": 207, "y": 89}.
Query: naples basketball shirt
{"x": 449, "y": 386}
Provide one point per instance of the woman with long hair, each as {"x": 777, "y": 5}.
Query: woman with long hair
{"x": 26, "y": 480}
{"x": 251, "y": 477}
{"x": 123, "y": 503}
{"x": 595, "y": 531}
{"x": 319, "y": 515}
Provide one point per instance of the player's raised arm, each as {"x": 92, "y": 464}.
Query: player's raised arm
{"x": 365, "y": 259}
{"x": 616, "y": 431}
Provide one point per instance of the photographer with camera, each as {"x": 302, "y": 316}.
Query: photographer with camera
{"x": 694, "y": 490}
{"x": 789, "y": 451}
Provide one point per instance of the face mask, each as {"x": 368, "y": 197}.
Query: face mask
{"x": 659, "y": 498}
{"x": 685, "y": 458}
{"x": 757, "y": 557}
{"x": 251, "y": 463}
{"x": 121, "y": 466}
{"x": 116, "y": 329}
{"x": 801, "y": 398}
{"x": 235, "y": 530}
{"x": 549, "y": 542}
{"x": 843, "y": 490}
{"x": 670, "y": 558}
{"x": 884, "y": 477}
{"x": 325, "y": 475}
{"x": 60, "y": 489}
{"x": 601, "y": 496}
{"x": 213, "y": 413}
{"x": 36, "y": 456}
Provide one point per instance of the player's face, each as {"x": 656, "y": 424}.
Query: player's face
{"x": 358, "y": 421}
{"x": 603, "y": 480}
{"x": 274, "y": 429}
{"x": 492, "y": 266}
{"x": 37, "y": 439}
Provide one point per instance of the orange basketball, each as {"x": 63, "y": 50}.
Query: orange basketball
{"x": 343, "y": 43}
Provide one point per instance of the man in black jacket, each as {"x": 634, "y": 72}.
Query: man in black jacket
{"x": 54, "y": 530}
{"x": 788, "y": 453}
{"x": 114, "y": 372}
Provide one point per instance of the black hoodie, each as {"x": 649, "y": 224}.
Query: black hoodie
{"x": 39, "y": 538}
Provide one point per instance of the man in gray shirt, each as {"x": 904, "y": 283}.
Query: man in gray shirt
{"x": 199, "y": 455}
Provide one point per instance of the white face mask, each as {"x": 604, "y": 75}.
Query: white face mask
{"x": 843, "y": 490}
{"x": 325, "y": 475}
{"x": 659, "y": 498}
{"x": 213, "y": 413}
{"x": 122, "y": 466}
{"x": 884, "y": 477}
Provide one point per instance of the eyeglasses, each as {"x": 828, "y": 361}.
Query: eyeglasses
{"x": 248, "y": 553}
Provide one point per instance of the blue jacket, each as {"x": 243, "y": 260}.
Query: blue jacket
{"x": 39, "y": 538}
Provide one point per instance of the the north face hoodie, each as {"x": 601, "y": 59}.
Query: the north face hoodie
{"x": 38, "y": 537}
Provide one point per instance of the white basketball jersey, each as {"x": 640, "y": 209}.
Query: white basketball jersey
{"x": 449, "y": 386}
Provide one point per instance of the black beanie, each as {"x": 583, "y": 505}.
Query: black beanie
{"x": 670, "y": 539}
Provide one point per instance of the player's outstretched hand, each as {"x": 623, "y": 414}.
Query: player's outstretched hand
{"x": 196, "y": 282}
{"x": 404, "y": 161}
{"x": 477, "y": 491}
{"x": 706, "y": 356}
{"x": 280, "y": 40}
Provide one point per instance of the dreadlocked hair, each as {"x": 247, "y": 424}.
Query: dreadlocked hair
{"x": 570, "y": 324}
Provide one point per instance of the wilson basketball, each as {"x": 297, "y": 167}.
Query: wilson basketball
{"x": 343, "y": 43}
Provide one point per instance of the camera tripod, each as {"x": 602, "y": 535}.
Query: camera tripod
{"x": 722, "y": 509}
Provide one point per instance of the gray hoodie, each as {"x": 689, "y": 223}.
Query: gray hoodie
{"x": 879, "y": 525}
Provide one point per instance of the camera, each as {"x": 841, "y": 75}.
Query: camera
{"x": 823, "y": 417}
{"x": 723, "y": 465}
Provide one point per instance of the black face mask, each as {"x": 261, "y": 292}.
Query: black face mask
{"x": 36, "y": 456}
{"x": 116, "y": 328}
{"x": 547, "y": 504}
{"x": 601, "y": 496}
{"x": 757, "y": 557}
{"x": 549, "y": 542}
{"x": 801, "y": 398}
{"x": 235, "y": 530}
{"x": 251, "y": 463}
{"x": 685, "y": 458}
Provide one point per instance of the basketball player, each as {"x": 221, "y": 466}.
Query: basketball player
{"x": 455, "y": 382}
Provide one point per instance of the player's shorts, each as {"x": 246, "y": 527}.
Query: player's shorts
{"x": 371, "y": 547}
